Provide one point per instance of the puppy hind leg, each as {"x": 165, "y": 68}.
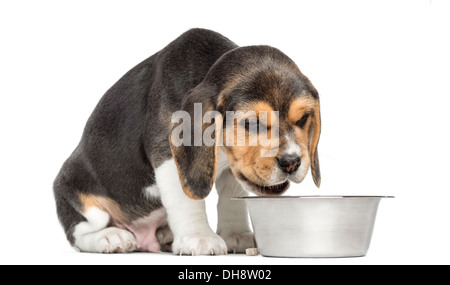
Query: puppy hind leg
{"x": 88, "y": 229}
{"x": 93, "y": 235}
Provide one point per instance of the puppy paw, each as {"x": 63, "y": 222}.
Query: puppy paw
{"x": 199, "y": 244}
{"x": 115, "y": 240}
{"x": 239, "y": 242}
{"x": 109, "y": 240}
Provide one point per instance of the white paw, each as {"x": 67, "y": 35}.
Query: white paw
{"x": 239, "y": 242}
{"x": 109, "y": 240}
{"x": 199, "y": 244}
{"x": 116, "y": 240}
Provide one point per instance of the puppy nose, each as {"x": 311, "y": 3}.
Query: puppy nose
{"x": 289, "y": 163}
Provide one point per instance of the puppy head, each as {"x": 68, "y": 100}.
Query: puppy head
{"x": 265, "y": 115}
{"x": 268, "y": 160}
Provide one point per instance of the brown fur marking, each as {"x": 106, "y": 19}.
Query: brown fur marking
{"x": 299, "y": 107}
{"x": 89, "y": 200}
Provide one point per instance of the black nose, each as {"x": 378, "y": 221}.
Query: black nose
{"x": 289, "y": 163}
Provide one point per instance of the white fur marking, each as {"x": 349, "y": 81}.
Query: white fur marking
{"x": 187, "y": 217}
{"x": 292, "y": 148}
{"x": 93, "y": 236}
{"x": 152, "y": 192}
{"x": 96, "y": 220}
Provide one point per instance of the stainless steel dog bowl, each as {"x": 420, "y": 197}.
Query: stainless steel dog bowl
{"x": 313, "y": 226}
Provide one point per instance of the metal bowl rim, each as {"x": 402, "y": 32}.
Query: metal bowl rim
{"x": 309, "y": 197}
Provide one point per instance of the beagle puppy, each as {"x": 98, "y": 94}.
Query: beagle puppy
{"x": 129, "y": 186}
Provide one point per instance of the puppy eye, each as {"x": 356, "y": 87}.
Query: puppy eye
{"x": 251, "y": 125}
{"x": 301, "y": 123}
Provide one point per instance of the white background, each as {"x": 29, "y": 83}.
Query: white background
{"x": 381, "y": 68}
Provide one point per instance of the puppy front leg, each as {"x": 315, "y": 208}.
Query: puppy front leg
{"x": 187, "y": 217}
{"x": 233, "y": 223}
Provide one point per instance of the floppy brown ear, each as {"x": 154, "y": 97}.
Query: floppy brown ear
{"x": 314, "y": 135}
{"x": 195, "y": 157}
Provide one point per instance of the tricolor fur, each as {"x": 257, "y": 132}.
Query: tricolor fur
{"x": 127, "y": 187}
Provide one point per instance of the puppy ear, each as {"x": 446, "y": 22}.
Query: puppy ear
{"x": 314, "y": 135}
{"x": 196, "y": 153}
